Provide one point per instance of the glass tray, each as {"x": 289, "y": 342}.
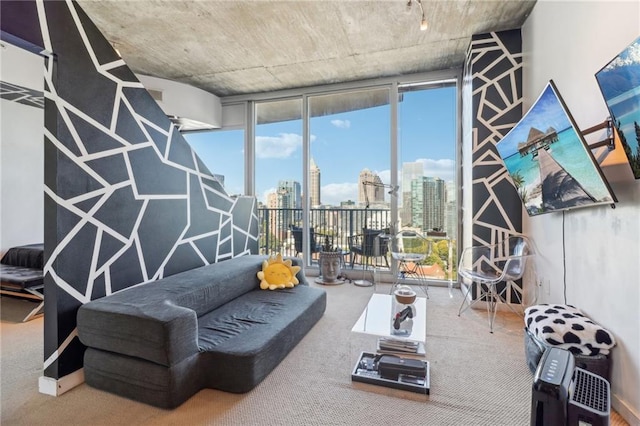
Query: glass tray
{"x": 365, "y": 371}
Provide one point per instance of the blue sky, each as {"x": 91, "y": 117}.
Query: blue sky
{"x": 341, "y": 145}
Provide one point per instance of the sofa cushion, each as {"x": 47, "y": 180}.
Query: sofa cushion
{"x": 247, "y": 338}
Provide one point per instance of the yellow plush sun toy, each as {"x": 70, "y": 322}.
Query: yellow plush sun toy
{"x": 277, "y": 273}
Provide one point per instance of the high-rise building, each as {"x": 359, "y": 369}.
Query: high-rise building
{"x": 314, "y": 184}
{"x": 451, "y": 210}
{"x": 451, "y": 219}
{"x": 272, "y": 200}
{"x": 410, "y": 171}
{"x": 289, "y": 194}
{"x": 370, "y": 188}
{"x": 428, "y": 199}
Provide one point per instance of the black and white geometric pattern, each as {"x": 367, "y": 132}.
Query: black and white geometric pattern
{"x": 23, "y": 95}
{"x": 493, "y": 79}
{"x": 126, "y": 198}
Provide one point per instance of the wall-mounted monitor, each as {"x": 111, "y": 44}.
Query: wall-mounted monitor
{"x": 619, "y": 83}
{"x": 549, "y": 162}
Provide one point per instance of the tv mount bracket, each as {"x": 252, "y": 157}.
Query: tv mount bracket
{"x": 608, "y": 141}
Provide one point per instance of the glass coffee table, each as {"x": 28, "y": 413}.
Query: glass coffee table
{"x": 377, "y": 320}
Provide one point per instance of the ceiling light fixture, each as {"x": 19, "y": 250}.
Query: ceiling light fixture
{"x": 423, "y": 21}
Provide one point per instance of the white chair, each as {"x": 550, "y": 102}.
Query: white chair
{"x": 488, "y": 265}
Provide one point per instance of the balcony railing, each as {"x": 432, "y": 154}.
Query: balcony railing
{"x": 333, "y": 228}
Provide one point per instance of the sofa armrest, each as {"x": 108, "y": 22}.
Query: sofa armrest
{"x": 163, "y": 333}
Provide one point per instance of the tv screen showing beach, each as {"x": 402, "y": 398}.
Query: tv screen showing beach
{"x": 549, "y": 161}
{"x": 619, "y": 83}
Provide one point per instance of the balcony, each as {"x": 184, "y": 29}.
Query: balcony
{"x": 333, "y": 229}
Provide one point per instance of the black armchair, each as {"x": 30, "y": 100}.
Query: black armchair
{"x": 297, "y": 240}
{"x": 367, "y": 245}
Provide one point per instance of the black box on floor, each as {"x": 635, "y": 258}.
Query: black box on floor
{"x": 366, "y": 371}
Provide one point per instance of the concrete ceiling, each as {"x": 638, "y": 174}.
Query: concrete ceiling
{"x": 240, "y": 47}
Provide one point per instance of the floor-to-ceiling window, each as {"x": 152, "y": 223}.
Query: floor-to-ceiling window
{"x": 427, "y": 146}
{"x": 278, "y": 174}
{"x": 349, "y": 155}
{"x": 338, "y": 161}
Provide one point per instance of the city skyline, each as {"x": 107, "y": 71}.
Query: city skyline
{"x": 341, "y": 145}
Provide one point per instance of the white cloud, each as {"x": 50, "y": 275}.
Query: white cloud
{"x": 385, "y": 176}
{"x": 265, "y": 195}
{"x": 281, "y": 146}
{"x": 334, "y": 193}
{"x": 444, "y": 169}
{"x": 341, "y": 124}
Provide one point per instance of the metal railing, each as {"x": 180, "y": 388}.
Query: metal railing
{"x": 333, "y": 228}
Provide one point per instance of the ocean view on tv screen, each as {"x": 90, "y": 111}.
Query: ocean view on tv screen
{"x": 549, "y": 162}
{"x": 619, "y": 83}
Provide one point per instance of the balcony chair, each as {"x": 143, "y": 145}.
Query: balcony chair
{"x": 488, "y": 265}
{"x": 410, "y": 249}
{"x": 367, "y": 245}
{"x": 297, "y": 241}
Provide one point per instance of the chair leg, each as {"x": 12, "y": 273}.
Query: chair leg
{"x": 424, "y": 283}
{"x": 503, "y": 300}
{"x": 491, "y": 298}
{"x": 465, "y": 299}
{"x": 492, "y": 304}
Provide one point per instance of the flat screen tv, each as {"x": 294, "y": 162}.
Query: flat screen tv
{"x": 619, "y": 83}
{"x": 549, "y": 162}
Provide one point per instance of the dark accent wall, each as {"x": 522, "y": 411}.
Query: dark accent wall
{"x": 126, "y": 199}
{"x": 492, "y": 90}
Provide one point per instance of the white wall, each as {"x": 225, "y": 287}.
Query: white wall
{"x": 568, "y": 42}
{"x": 21, "y": 153}
{"x": 200, "y": 109}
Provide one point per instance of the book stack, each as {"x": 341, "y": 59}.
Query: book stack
{"x": 396, "y": 345}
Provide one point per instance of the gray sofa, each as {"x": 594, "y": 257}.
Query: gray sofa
{"x": 209, "y": 327}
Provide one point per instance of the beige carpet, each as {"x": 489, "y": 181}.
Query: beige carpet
{"x": 477, "y": 378}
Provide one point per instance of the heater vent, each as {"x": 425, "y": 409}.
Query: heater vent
{"x": 590, "y": 392}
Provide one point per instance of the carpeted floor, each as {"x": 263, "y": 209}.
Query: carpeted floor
{"x": 477, "y": 378}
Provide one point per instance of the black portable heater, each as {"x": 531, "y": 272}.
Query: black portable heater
{"x": 563, "y": 394}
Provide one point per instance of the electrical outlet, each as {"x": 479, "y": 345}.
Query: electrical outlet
{"x": 544, "y": 286}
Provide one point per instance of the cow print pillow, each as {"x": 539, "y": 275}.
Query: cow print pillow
{"x": 566, "y": 327}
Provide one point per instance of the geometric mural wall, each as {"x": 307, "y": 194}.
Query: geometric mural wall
{"x": 493, "y": 94}
{"x": 127, "y": 200}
